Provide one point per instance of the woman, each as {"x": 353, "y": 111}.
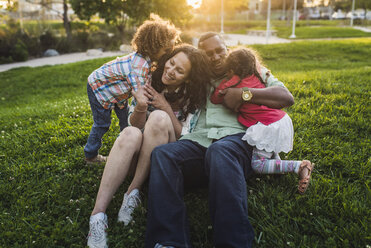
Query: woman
{"x": 182, "y": 78}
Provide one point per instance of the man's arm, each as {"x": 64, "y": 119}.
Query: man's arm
{"x": 276, "y": 95}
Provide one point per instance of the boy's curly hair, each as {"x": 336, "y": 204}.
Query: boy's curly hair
{"x": 244, "y": 62}
{"x": 193, "y": 94}
{"x": 153, "y": 35}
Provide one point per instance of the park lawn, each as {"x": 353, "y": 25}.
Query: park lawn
{"x": 47, "y": 193}
{"x": 315, "y": 32}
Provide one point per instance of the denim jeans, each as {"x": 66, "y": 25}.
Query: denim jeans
{"x": 225, "y": 165}
{"x": 102, "y": 122}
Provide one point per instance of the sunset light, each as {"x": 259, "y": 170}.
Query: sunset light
{"x": 194, "y": 3}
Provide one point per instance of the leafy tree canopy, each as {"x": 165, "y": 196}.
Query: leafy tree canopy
{"x": 118, "y": 12}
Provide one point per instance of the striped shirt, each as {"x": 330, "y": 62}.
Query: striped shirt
{"x": 112, "y": 82}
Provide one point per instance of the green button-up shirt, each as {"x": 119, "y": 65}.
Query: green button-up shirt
{"x": 216, "y": 121}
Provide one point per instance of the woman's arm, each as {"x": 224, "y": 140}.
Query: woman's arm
{"x": 158, "y": 101}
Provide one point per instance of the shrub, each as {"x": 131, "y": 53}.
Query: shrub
{"x": 48, "y": 41}
{"x": 19, "y": 51}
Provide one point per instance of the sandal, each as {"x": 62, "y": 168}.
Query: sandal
{"x": 304, "y": 182}
{"x": 97, "y": 160}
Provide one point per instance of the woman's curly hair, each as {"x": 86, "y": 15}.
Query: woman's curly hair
{"x": 244, "y": 62}
{"x": 153, "y": 35}
{"x": 193, "y": 94}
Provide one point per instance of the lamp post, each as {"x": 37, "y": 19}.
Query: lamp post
{"x": 20, "y": 8}
{"x": 222, "y": 19}
{"x": 351, "y": 18}
{"x": 267, "y": 34}
{"x": 293, "y": 21}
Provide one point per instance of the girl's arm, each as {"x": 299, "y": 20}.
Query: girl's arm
{"x": 158, "y": 101}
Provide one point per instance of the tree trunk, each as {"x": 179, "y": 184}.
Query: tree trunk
{"x": 66, "y": 21}
{"x": 121, "y": 28}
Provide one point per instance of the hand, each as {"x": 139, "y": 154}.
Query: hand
{"x": 156, "y": 99}
{"x": 232, "y": 98}
{"x": 141, "y": 98}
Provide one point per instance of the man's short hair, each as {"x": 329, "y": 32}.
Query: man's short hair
{"x": 208, "y": 35}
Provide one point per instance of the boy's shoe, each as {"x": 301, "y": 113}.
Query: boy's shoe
{"x": 130, "y": 202}
{"x": 97, "y": 160}
{"x": 97, "y": 237}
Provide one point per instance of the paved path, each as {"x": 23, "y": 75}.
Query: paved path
{"x": 61, "y": 59}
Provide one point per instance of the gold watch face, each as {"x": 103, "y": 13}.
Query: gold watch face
{"x": 246, "y": 95}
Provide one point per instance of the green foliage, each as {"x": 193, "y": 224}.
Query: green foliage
{"x": 19, "y": 51}
{"x": 119, "y": 13}
{"x": 47, "y": 193}
{"x": 34, "y": 40}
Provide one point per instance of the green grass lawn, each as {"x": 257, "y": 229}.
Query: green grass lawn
{"x": 47, "y": 192}
{"x": 311, "y": 32}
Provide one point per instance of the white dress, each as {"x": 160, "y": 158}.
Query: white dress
{"x": 275, "y": 137}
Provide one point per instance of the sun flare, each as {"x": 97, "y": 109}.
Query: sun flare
{"x": 194, "y": 3}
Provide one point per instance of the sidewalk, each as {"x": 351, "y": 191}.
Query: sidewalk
{"x": 61, "y": 59}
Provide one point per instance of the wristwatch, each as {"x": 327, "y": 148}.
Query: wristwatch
{"x": 246, "y": 94}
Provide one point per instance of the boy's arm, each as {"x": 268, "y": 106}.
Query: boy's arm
{"x": 276, "y": 95}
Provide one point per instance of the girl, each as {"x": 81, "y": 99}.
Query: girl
{"x": 270, "y": 131}
{"x": 182, "y": 79}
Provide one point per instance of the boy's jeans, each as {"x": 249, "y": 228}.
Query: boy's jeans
{"x": 225, "y": 165}
{"x": 102, "y": 122}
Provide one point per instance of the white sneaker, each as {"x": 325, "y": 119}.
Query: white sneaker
{"x": 97, "y": 237}
{"x": 129, "y": 203}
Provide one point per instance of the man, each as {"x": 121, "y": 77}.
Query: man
{"x": 215, "y": 154}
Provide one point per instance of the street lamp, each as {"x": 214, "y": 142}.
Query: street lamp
{"x": 268, "y": 22}
{"x": 293, "y": 21}
{"x": 222, "y": 19}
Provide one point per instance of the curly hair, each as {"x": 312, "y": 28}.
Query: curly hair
{"x": 192, "y": 95}
{"x": 244, "y": 62}
{"x": 153, "y": 35}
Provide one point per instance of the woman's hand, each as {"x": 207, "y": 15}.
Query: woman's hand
{"x": 141, "y": 98}
{"x": 156, "y": 99}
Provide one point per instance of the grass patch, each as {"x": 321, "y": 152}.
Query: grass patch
{"x": 47, "y": 193}
{"x": 321, "y": 32}
{"x": 309, "y": 32}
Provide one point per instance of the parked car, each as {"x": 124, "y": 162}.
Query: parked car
{"x": 338, "y": 15}
{"x": 356, "y": 15}
{"x": 325, "y": 15}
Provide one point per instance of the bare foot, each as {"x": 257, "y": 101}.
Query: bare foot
{"x": 305, "y": 172}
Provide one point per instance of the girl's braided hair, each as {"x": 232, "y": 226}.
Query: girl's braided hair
{"x": 192, "y": 94}
{"x": 153, "y": 35}
{"x": 244, "y": 63}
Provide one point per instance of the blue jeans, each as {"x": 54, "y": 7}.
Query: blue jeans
{"x": 225, "y": 165}
{"x": 102, "y": 122}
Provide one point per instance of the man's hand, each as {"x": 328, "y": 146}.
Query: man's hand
{"x": 232, "y": 98}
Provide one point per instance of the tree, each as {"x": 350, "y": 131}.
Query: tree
{"x": 47, "y": 4}
{"x": 347, "y": 4}
{"x": 120, "y": 12}
{"x": 213, "y": 7}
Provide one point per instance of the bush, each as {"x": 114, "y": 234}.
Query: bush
{"x": 19, "y": 51}
{"x": 48, "y": 41}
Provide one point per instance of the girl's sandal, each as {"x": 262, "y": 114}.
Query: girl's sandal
{"x": 304, "y": 182}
